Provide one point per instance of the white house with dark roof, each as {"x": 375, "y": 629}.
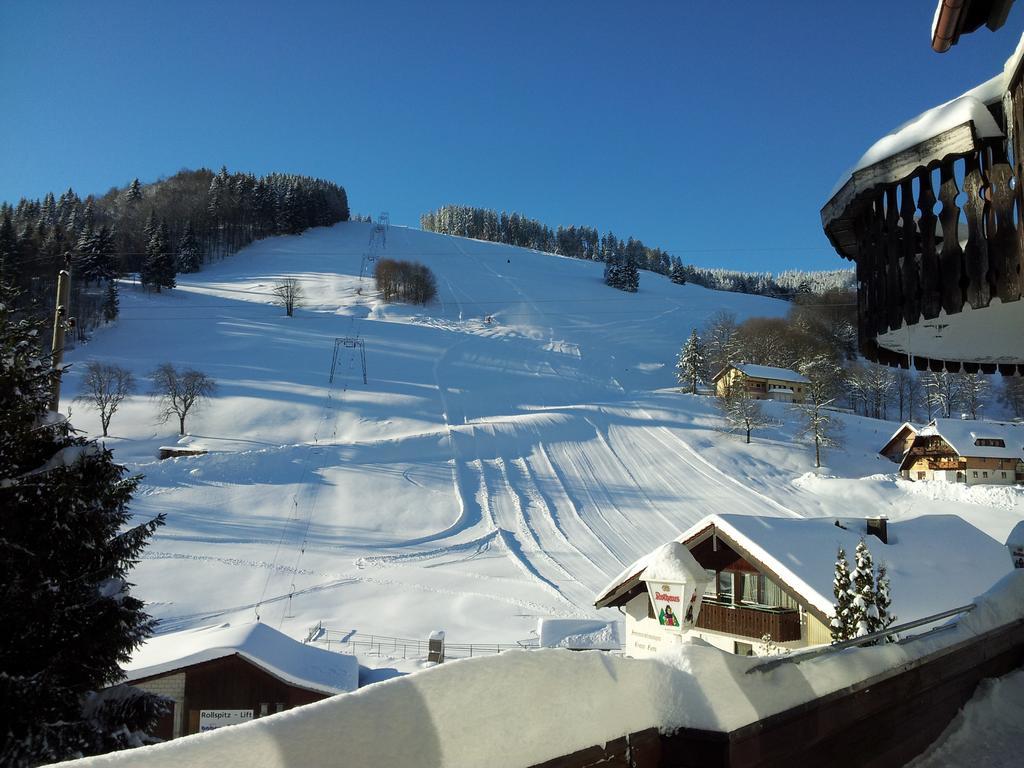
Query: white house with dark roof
{"x": 763, "y": 382}
{"x": 773, "y": 576}
{"x": 966, "y": 451}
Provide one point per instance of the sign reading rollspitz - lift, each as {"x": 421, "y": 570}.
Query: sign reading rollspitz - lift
{"x": 210, "y": 719}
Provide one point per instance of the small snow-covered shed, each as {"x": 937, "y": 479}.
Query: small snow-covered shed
{"x": 232, "y": 673}
{"x": 773, "y": 576}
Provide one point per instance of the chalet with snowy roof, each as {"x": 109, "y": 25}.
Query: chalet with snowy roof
{"x": 232, "y": 673}
{"x": 763, "y": 382}
{"x": 966, "y": 451}
{"x": 900, "y": 442}
{"x": 932, "y": 216}
{"x": 773, "y": 576}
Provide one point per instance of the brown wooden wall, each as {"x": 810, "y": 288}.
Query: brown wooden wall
{"x": 783, "y": 626}
{"x": 233, "y": 682}
{"x": 878, "y": 723}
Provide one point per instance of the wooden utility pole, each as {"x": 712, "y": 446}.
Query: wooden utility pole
{"x": 60, "y": 325}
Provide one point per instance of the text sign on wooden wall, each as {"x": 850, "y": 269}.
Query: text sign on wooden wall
{"x": 211, "y": 719}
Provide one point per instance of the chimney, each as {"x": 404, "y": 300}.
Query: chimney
{"x": 879, "y": 526}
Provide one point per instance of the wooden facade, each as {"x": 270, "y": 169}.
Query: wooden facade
{"x": 783, "y": 624}
{"x": 936, "y": 228}
{"x": 930, "y": 454}
{"x": 230, "y": 682}
{"x": 899, "y": 443}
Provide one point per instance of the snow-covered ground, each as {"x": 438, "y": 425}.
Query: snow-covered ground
{"x": 489, "y": 473}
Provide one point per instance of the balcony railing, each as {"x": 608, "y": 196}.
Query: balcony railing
{"x": 783, "y": 624}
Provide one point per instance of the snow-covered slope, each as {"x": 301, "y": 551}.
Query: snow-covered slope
{"x": 488, "y": 473}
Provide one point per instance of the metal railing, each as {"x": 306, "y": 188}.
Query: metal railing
{"x": 352, "y": 641}
{"x": 868, "y": 639}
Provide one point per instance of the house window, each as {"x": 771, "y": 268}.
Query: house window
{"x": 759, "y": 590}
{"x": 1003, "y": 474}
{"x": 743, "y": 649}
{"x": 725, "y": 587}
{"x": 264, "y": 709}
{"x": 921, "y": 475}
{"x": 974, "y": 473}
{"x": 990, "y": 441}
{"x": 711, "y": 588}
{"x": 984, "y": 474}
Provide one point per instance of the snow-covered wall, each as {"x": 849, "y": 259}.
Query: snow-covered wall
{"x": 524, "y": 707}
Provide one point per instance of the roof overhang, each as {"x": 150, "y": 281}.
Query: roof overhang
{"x": 957, "y": 17}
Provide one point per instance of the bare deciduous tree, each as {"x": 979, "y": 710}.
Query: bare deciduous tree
{"x": 179, "y": 392}
{"x": 742, "y": 411}
{"x": 105, "y": 387}
{"x": 1013, "y": 394}
{"x": 973, "y": 389}
{"x": 288, "y": 294}
{"x": 820, "y": 424}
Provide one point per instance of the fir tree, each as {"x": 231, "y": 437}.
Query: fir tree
{"x": 67, "y": 618}
{"x": 158, "y": 267}
{"x": 189, "y": 255}
{"x": 883, "y": 601}
{"x": 678, "y": 273}
{"x": 134, "y": 192}
{"x": 111, "y": 303}
{"x": 692, "y": 364}
{"x": 95, "y": 257}
{"x": 840, "y": 624}
{"x": 8, "y": 248}
{"x": 864, "y": 610}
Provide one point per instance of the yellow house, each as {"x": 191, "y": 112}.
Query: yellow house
{"x": 763, "y": 382}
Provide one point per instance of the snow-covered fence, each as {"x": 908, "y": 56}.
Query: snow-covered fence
{"x": 352, "y": 641}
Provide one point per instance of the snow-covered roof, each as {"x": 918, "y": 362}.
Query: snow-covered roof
{"x": 304, "y": 666}
{"x": 580, "y": 634}
{"x": 964, "y": 434}
{"x": 934, "y": 562}
{"x": 971, "y": 106}
{"x": 766, "y": 372}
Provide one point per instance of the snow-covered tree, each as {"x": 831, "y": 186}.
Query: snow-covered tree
{"x": 67, "y": 617}
{"x": 742, "y": 411}
{"x": 190, "y": 255}
{"x": 841, "y": 619}
{"x": 942, "y": 393}
{"x": 883, "y": 602}
{"x": 134, "y": 192}
{"x": 973, "y": 388}
{"x": 819, "y": 424}
{"x": 678, "y": 273}
{"x": 864, "y": 608}
{"x": 692, "y": 365}
{"x": 158, "y": 268}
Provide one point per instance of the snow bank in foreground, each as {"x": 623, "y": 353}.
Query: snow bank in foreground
{"x": 986, "y": 732}
{"x": 524, "y": 707}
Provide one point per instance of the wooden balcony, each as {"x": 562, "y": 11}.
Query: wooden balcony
{"x": 783, "y": 624}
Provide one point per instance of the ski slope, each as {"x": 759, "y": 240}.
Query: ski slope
{"x": 517, "y": 442}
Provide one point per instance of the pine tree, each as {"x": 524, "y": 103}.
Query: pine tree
{"x": 841, "y": 583}
{"x": 134, "y": 192}
{"x": 189, "y": 254}
{"x": 95, "y": 257}
{"x": 692, "y": 364}
{"x": 883, "y": 601}
{"x": 630, "y": 276}
{"x": 9, "y": 252}
{"x": 158, "y": 267}
{"x": 678, "y": 273}
{"x": 67, "y": 618}
{"x": 864, "y": 612}
{"x": 111, "y": 303}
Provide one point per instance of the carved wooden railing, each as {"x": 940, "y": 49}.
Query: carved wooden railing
{"x": 948, "y": 235}
{"x": 782, "y": 624}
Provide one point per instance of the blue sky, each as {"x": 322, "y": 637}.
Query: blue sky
{"x": 714, "y": 130}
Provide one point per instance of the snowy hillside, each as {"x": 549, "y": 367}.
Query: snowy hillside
{"x": 488, "y": 473}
